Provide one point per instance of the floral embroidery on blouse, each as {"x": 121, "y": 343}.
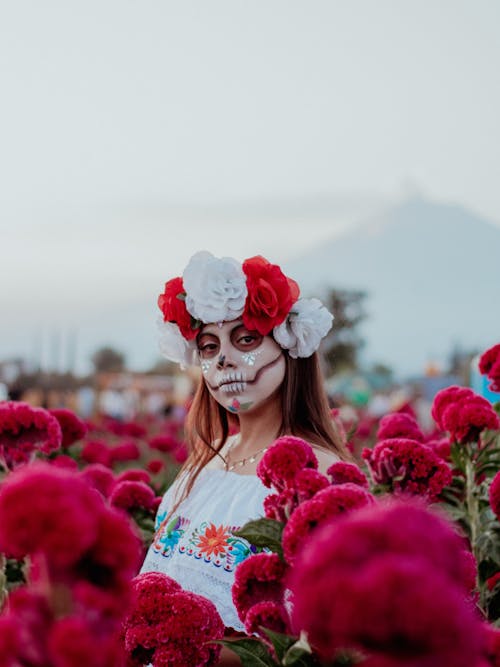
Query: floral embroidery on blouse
{"x": 168, "y": 533}
{"x": 214, "y": 544}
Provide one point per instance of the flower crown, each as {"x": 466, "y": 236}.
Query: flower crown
{"x": 221, "y": 290}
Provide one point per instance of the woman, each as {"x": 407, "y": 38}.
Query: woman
{"x": 256, "y": 343}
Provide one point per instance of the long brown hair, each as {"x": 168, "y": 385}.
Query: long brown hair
{"x": 304, "y": 408}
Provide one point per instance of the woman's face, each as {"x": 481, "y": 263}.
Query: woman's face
{"x": 242, "y": 369}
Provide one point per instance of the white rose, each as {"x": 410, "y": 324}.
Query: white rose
{"x": 174, "y": 346}
{"x": 307, "y": 323}
{"x": 215, "y": 288}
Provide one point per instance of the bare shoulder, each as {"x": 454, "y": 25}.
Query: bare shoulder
{"x": 325, "y": 458}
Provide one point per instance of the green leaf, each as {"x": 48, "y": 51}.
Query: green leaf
{"x": 300, "y": 654}
{"x": 263, "y": 533}
{"x": 280, "y": 642}
{"x": 181, "y": 296}
{"x": 251, "y": 652}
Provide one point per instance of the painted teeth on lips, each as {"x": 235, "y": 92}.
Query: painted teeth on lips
{"x": 234, "y": 376}
{"x": 233, "y": 387}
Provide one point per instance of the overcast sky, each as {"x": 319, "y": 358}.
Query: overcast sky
{"x": 133, "y": 133}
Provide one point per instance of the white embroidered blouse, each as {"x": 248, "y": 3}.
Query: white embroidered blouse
{"x": 196, "y": 545}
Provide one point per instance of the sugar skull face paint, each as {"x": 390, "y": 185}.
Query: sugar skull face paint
{"x": 242, "y": 369}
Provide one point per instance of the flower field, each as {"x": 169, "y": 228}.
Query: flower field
{"x": 390, "y": 560}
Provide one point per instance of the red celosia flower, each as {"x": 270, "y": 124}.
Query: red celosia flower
{"x": 258, "y": 578}
{"x": 464, "y": 416}
{"x": 447, "y": 397}
{"x": 441, "y": 447}
{"x": 308, "y": 482}
{"x": 493, "y": 581}
{"x": 24, "y": 430}
{"x": 181, "y": 454}
{"x": 494, "y": 494}
{"x": 114, "y": 567}
{"x": 304, "y": 486}
{"x": 134, "y": 475}
{"x": 283, "y": 460}
{"x": 62, "y": 523}
{"x": 129, "y": 495}
{"x": 492, "y": 646}
{"x": 34, "y": 616}
{"x": 342, "y": 472}
{"x": 163, "y": 443}
{"x": 163, "y": 622}
{"x": 367, "y": 582}
{"x": 489, "y": 364}
{"x": 270, "y": 295}
{"x": 10, "y": 640}
{"x": 408, "y": 466}
{"x": 279, "y": 506}
{"x": 155, "y": 466}
{"x": 100, "y": 477}
{"x": 96, "y": 451}
{"x": 328, "y": 504}
{"x": 73, "y": 428}
{"x": 125, "y": 451}
{"x": 64, "y": 461}
{"x": 399, "y": 425}
{"x": 72, "y": 642}
{"x": 129, "y": 429}
{"x": 173, "y": 306}
{"x": 267, "y": 614}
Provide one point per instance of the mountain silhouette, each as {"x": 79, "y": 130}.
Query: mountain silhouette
{"x": 432, "y": 274}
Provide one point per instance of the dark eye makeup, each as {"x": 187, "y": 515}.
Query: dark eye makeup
{"x": 242, "y": 339}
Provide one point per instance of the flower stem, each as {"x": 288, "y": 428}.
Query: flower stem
{"x": 3, "y": 580}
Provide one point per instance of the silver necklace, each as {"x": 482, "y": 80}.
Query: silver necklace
{"x": 240, "y": 462}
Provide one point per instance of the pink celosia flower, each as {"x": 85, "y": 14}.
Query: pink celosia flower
{"x": 342, "y": 472}
{"x": 73, "y": 428}
{"x": 24, "y": 430}
{"x": 33, "y": 616}
{"x": 492, "y": 645}
{"x": 74, "y": 642}
{"x": 328, "y": 504}
{"x": 447, "y": 397}
{"x": 283, "y": 460}
{"x": 180, "y": 454}
{"x": 441, "y": 447}
{"x": 114, "y": 566}
{"x": 489, "y": 365}
{"x": 267, "y": 614}
{"x": 467, "y": 418}
{"x": 307, "y": 483}
{"x": 130, "y": 429}
{"x": 463, "y": 413}
{"x": 399, "y": 425}
{"x": 99, "y": 477}
{"x": 10, "y": 640}
{"x": 408, "y": 466}
{"x": 165, "y": 619}
{"x": 96, "y": 451}
{"x": 494, "y": 494}
{"x": 48, "y": 509}
{"x": 129, "y": 495}
{"x": 368, "y": 582}
{"x": 134, "y": 475}
{"x": 155, "y": 466}
{"x": 258, "y": 578}
{"x": 125, "y": 451}
{"x": 493, "y": 581}
{"x": 279, "y": 506}
{"x": 64, "y": 461}
{"x": 163, "y": 443}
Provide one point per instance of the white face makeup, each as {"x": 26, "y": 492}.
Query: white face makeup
{"x": 242, "y": 369}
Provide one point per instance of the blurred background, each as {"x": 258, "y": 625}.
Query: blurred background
{"x": 353, "y": 143}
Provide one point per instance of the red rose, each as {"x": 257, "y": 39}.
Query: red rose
{"x": 270, "y": 295}
{"x": 173, "y": 306}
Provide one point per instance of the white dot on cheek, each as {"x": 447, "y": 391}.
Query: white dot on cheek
{"x": 206, "y": 365}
